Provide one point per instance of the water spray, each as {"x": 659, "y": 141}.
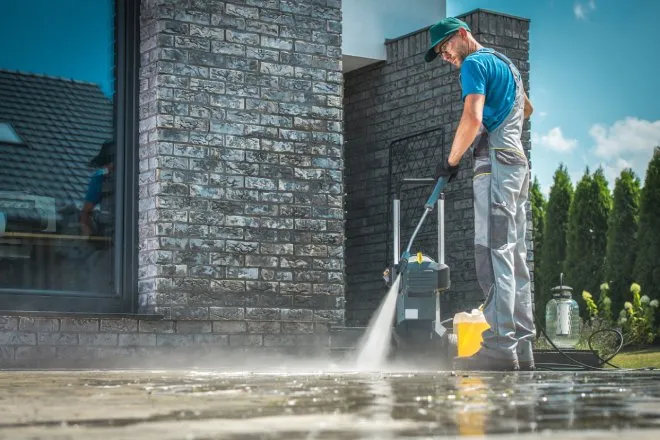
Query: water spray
{"x": 415, "y": 283}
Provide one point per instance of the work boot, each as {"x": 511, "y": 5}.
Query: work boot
{"x": 525, "y": 356}
{"x": 480, "y": 361}
{"x": 527, "y": 365}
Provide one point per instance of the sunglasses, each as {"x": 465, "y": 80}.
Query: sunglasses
{"x": 441, "y": 50}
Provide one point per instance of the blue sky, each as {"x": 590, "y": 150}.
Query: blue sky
{"x": 594, "y": 82}
{"x": 66, "y": 38}
{"x": 595, "y": 75}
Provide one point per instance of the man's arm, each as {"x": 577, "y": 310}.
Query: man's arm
{"x": 92, "y": 197}
{"x": 85, "y": 219}
{"x": 529, "y": 108}
{"x": 468, "y": 127}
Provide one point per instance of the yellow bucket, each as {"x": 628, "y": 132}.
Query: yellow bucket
{"x": 468, "y": 328}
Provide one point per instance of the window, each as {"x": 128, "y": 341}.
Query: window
{"x": 67, "y": 161}
{"x": 8, "y": 134}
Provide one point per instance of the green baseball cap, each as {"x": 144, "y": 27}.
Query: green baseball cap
{"x": 440, "y": 32}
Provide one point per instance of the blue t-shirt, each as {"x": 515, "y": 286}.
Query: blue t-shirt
{"x": 484, "y": 73}
{"x": 94, "y": 187}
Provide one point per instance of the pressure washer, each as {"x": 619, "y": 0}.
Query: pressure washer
{"x": 418, "y": 328}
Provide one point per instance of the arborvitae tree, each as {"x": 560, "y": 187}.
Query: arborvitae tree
{"x": 647, "y": 265}
{"x": 538, "y": 204}
{"x": 621, "y": 238}
{"x": 602, "y": 208}
{"x": 555, "y": 226}
{"x": 578, "y": 239}
{"x": 587, "y": 236}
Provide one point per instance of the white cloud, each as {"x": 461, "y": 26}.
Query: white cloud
{"x": 627, "y": 136}
{"x": 539, "y": 116}
{"x": 628, "y": 143}
{"x": 554, "y": 140}
{"x": 613, "y": 170}
{"x": 583, "y": 9}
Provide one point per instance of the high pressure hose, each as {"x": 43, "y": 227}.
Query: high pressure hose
{"x": 575, "y": 362}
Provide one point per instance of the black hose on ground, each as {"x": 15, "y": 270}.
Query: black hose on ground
{"x": 575, "y": 362}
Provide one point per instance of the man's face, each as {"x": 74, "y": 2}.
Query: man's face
{"x": 454, "y": 50}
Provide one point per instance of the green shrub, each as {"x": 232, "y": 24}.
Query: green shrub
{"x": 636, "y": 321}
{"x": 599, "y": 318}
{"x": 637, "y": 318}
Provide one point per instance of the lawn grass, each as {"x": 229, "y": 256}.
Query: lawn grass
{"x": 647, "y": 357}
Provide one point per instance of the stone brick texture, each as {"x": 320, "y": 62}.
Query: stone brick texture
{"x": 241, "y": 193}
{"x": 73, "y": 342}
{"x": 393, "y": 99}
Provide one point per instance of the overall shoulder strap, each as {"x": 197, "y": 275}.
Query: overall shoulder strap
{"x": 507, "y": 60}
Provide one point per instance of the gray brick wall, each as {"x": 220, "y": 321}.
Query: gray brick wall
{"x": 29, "y": 341}
{"x": 241, "y": 185}
{"x": 391, "y": 100}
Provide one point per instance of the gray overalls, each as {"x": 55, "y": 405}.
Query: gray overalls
{"x": 501, "y": 190}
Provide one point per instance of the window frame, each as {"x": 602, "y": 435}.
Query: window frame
{"x": 124, "y": 299}
{"x": 18, "y": 142}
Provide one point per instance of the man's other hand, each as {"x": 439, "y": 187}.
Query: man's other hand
{"x": 446, "y": 170}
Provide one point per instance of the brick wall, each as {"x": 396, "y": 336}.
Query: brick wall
{"x": 394, "y": 99}
{"x": 60, "y": 341}
{"x": 241, "y": 219}
{"x": 241, "y": 187}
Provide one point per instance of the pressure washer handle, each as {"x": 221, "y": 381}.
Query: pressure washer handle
{"x": 435, "y": 195}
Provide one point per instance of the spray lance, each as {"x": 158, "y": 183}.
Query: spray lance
{"x": 440, "y": 185}
{"x": 402, "y": 260}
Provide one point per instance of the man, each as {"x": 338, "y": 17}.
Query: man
{"x": 99, "y": 191}
{"x": 495, "y": 105}
{"x": 96, "y": 274}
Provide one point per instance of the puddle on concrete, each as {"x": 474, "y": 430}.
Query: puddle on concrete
{"x": 205, "y": 405}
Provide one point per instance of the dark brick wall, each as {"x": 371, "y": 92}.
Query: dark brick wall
{"x": 241, "y": 194}
{"x": 75, "y": 342}
{"x": 241, "y": 185}
{"x": 391, "y": 100}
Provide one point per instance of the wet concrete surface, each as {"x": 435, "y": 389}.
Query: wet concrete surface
{"x": 316, "y": 404}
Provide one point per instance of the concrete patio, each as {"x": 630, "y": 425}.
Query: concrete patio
{"x": 323, "y": 402}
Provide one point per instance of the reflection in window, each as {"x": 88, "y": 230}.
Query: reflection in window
{"x": 8, "y": 134}
{"x": 57, "y": 146}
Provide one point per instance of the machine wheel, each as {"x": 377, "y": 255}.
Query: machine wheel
{"x": 452, "y": 346}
